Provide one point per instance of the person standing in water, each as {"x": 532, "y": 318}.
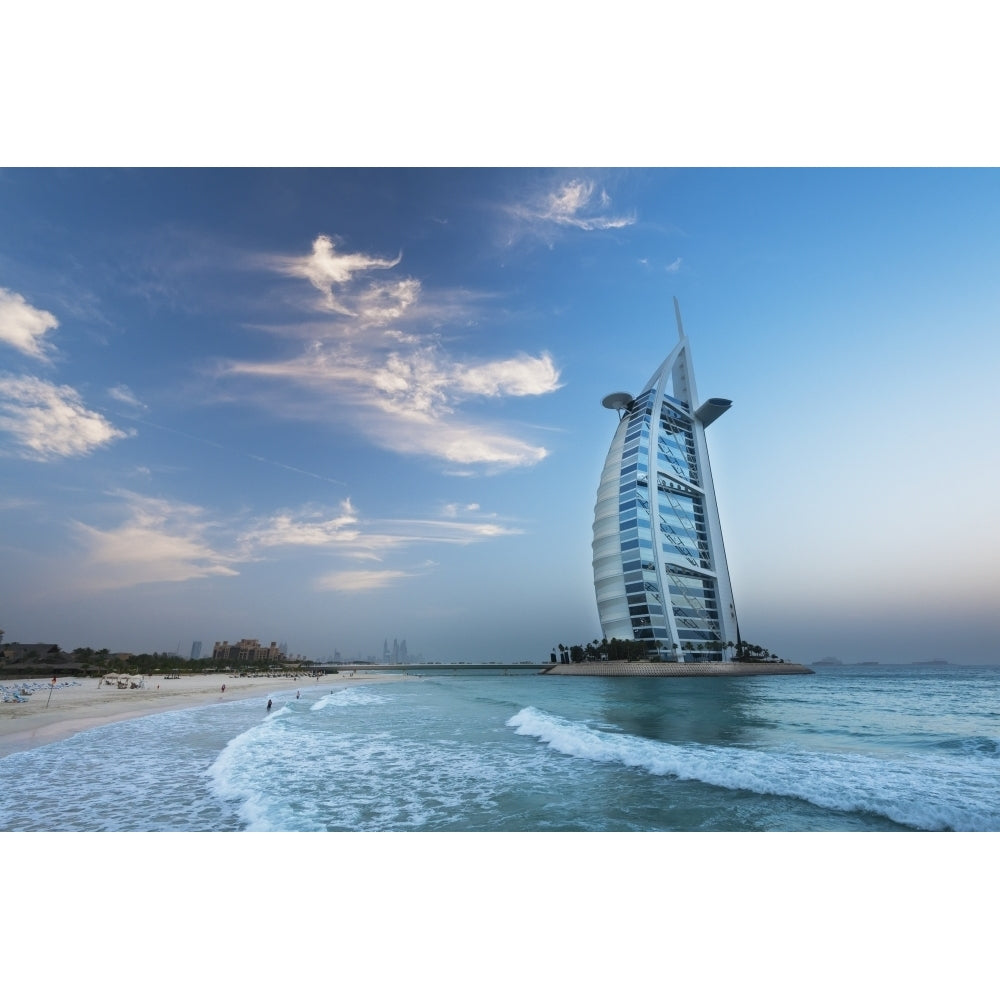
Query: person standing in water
{"x": 269, "y": 704}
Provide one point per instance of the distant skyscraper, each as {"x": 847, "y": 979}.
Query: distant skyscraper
{"x": 660, "y": 571}
{"x": 195, "y": 650}
{"x": 385, "y": 651}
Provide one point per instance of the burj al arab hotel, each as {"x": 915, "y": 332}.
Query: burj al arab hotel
{"x": 660, "y": 569}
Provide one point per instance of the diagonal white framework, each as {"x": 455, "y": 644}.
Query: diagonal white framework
{"x": 660, "y": 571}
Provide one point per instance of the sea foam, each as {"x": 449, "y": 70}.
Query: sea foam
{"x": 244, "y": 773}
{"x": 347, "y": 697}
{"x": 926, "y": 792}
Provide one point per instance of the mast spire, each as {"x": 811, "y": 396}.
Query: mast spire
{"x": 677, "y": 313}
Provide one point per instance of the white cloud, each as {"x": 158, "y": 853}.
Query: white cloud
{"x": 406, "y": 407}
{"x": 676, "y": 265}
{"x": 125, "y": 395}
{"x": 458, "y": 442}
{"x": 572, "y": 204}
{"x": 347, "y": 533}
{"x": 369, "y": 365}
{"x": 159, "y": 542}
{"x": 325, "y": 267}
{"x": 310, "y": 529}
{"x": 425, "y": 382}
{"x": 416, "y": 383}
{"x": 454, "y": 509}
{"x": 521, "y": 376}
{"x": 421, "y": 390}
{"x": 163, "y": 541}
{"x": 400, "y": 337}
{"x": 23, "y": 326}
{"x": 460, "y": 533}
{"x": 50, "y": 421}
{"x": 385, "y": 302}
{"x": 352, "y": 580}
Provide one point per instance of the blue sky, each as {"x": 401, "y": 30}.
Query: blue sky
{"x": 335, "y": 406}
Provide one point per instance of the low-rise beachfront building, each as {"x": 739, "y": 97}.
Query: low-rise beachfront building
{"x": 26, "y": 652}
{"x": 660, "y": 571}
{"x": 246, "y": 651}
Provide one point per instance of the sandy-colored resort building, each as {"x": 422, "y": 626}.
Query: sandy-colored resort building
{"x": 246, "y": 651}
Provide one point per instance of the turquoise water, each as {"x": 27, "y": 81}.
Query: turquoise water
{"x": 847, "y": 748}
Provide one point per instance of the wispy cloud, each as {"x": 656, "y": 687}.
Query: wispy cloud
{"x": 314, "y": 528}
{"x": 159, "y": 541}
{"x": 421, "y": 381}
{"x": 50, "y": 421}
{"x": 156, "y": 540}
{"x": 123, "y": 394}
{"x": 375, "y": 362}
{"x": 454, "y": 509}
{"x": 326, "y": 268}
{"x": 24, "y": 327}
{"x": 458, "y": 442}
{"x": 344, "y": 531}
{"x": 675, "y": 265}
{"x": 576, "y": 204}
{"x": 407, "y": 404}
{"x": 164, "y": 541}
{"x": 355, "y": 580}
{"x": 382, "y": 302}
{"x": 18, "y": 503}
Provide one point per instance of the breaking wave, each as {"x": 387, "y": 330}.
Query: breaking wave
{"x": 346, "y": 698}
{"x": 930, "y": 792}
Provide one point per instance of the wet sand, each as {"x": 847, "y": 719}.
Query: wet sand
{"x": 86, "y": 703}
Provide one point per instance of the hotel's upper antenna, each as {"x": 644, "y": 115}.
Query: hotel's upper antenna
{"x": 677, "y": 313}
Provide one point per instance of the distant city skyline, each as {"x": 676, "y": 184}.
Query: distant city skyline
{"x": 308, "y": 402}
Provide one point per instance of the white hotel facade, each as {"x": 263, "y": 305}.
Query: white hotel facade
{"x": 660, "y": 571}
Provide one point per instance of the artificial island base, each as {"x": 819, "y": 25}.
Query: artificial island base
{"x": 633, "y": 668}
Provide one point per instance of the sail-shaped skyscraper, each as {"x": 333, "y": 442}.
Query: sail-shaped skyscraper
{"x": 660, "y": 569}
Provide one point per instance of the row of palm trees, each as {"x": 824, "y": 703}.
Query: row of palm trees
{"x": 741, "y": 652}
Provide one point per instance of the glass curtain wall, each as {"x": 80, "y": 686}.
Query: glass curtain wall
{"x": 659, "y": 567}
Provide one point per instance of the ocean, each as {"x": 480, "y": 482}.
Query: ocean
{"x": 848, "y": 748}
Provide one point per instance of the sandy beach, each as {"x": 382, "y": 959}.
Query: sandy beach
{"x": 80, "y": 703}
